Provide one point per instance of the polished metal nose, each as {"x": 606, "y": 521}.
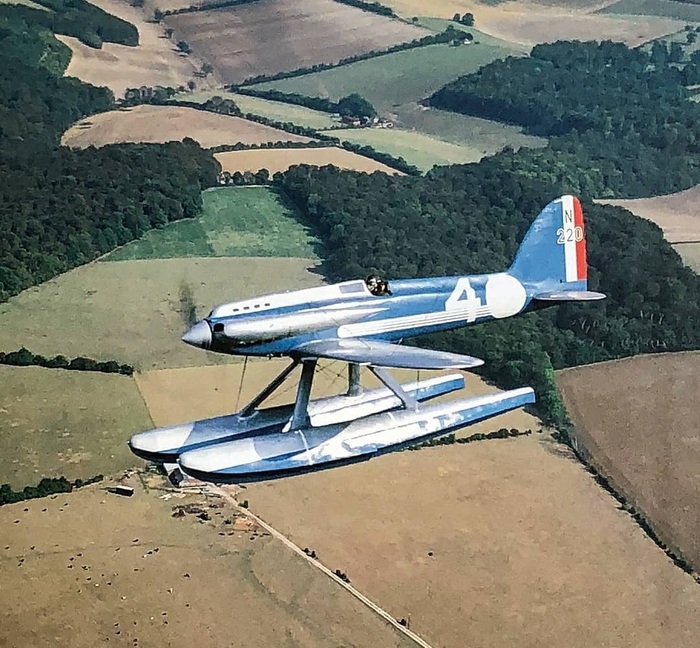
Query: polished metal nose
{"x": 199, "y": 335}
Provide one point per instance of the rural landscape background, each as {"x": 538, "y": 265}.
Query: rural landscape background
{"x": 159, "y": 157}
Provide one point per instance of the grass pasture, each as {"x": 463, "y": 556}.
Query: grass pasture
{"x": 281, "y": 159}
{"x": 275, "y": 110}
{"x": 271, "y": 36}
{"x": 136, "y": 311}
{"x": 147, "y": 123}
{"x": 235, "y": 221}
{"x": 687, "y": 12}
{"x": 395, "y": 79}
{"x": 678, "y": 214}
{"x": 416, "y": 148}
{"x": 496, "y": 544}
{"x": 73, "y": 423}
{"x": 89, "y": 569}
{"x": 637, "y": 420}
{"x": 480, "y": 136}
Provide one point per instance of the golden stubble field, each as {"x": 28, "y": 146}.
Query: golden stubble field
{"x": 490, "y": 545}
{"x": 273, "y": 35}
{"x": 130, "y": 311}
{"x": 72, "y": 423}
{"x": 637, "y": 420}
{"x": 90, "y": 568}
{"x": 529, "y": 23}
{"x": 281, "y": 159}
{"x": 166, "y": 123}
{"x": 155, "y": 61}
{"x": 678, "y": 214}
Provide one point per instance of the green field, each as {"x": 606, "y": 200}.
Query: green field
{"x": 666, "y": 8}
{"x": 395, "y": 79}
{"x": 690, "y": 253}
{"x": 136, "y": 311}
{"x": 275, "y": 110}
{"x": 72, "y": 423}
{"x": 420, "y": 150}
{"x": 483, "y": 136}
{"x": 235, "y": 221}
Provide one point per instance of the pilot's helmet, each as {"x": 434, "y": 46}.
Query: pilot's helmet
{"x": 372, "y": 282}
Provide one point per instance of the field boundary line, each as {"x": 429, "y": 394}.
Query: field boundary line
{"x": 318, "y": 565}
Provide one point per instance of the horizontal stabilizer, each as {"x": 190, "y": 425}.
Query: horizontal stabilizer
{"x": 569, "y": 296}
{"x": 385, "y": 354}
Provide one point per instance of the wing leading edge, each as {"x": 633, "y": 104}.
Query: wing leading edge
{"x": 386, "y": 354}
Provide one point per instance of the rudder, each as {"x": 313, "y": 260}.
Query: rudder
{"x": 552, "y": 255}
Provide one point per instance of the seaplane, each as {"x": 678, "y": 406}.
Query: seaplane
{"x": 362, "y": 324}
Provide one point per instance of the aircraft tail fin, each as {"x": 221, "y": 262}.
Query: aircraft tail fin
{"x": 551, "y": 260}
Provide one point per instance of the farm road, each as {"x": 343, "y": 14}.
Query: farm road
{"x": 315, "y": 563}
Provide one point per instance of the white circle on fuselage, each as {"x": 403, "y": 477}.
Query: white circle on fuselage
{"x": 505, "y": 295}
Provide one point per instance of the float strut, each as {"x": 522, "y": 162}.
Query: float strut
{"x": 354, "y": 387}
{"x": 300, "y": 418}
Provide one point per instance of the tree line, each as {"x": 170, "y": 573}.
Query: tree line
{"x": 159, "y": 14}
{"x": 353, "y": 105}
{"x": 46, "y": 486}
{"x": 447, "y": 36}
{"x": 25, "y": 358}
{"x": 372, "y": 7}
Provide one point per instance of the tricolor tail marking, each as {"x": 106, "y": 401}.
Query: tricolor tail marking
{"x": 572, "y": 235}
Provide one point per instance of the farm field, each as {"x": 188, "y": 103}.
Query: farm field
{"x": 90, "y": 568}
{"x": 171, "y": 398}
{"x": 690, "y": 253}
{"x": 136, "y": 311}
{"x": 154, "y": 61}
{"x": 637, "y": 421}
{"x": 270, "y": 36}
{"x": 235, "y": 221}
{"x": 281, "y": 159}
{"x": 665, "y": 8}
{"x": 529, "y": 23}
{"x": 678, "y": 215}
{"x": 496, "y": 544}
{"x": 483, "y": 136}
{"x": 394, "y": 79}
{"x": 148, "y": 123}
{"x": 278, "y": 111}
{"x": 73, "y": 423}
{"x": 416, "y": 148}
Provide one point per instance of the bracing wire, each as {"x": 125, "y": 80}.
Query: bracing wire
{"x": 240, "y": 384}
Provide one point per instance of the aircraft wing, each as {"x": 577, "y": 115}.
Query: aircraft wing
{"x": 386, "y": 354}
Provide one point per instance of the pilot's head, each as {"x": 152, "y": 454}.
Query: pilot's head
{"x": 372, "y": 283}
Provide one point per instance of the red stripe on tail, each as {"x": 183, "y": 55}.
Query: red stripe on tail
{"x": 581, "y": 263}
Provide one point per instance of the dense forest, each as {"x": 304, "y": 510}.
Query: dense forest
{"x": 619, "y": 120}
{"x": 470, "y": 219}
{"x": 78, "y": 18}
{"x": 59, "y": 207}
